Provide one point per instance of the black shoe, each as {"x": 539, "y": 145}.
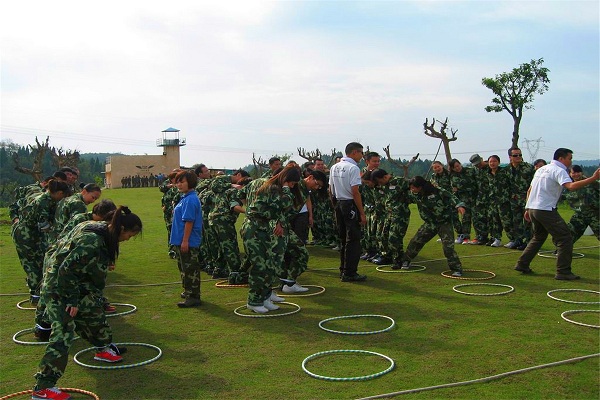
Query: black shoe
{"x": 522, "y": 247}
{"x": 525, "y": 270}
{"x": 382, "y": 261}
{"x": 119, "y": 350}
{"x": 484, "y": 241}
{"x": 566, "y": 277}
{"x": 513, "y": 244}
{"x": 375, "y": 256}
{"x": 189, "y": 302}
{"x": 43, "y": 335}
{"x": 353, "y": 278}
{"x": 219, "y": 274}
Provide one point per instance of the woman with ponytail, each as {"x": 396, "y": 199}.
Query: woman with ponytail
{"x": 72, "y": 292}
{"x": 30, "y": 234}
{"x": 76, "y": 204}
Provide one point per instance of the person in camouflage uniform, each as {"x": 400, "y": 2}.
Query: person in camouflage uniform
{"x": 498, "y": 203}
{"x": 518, "y": 177}
{"x": 295, "y": 259}
{"x": 323, "y": 213}
{"x": 395, "y": 202}
{"x": 436, "y": 206}
{"x": 464, "y": 187}
{"x": 209, "y": 249}
{"x": 267, "y": 207}
{"x": 24, "y": 194}
{"x": 30, "y": 234}
{"x": 70, "y": 206}
{"x": 186, "y": 236}
{"x": 372, "y": 231}
{"x": 274, "y": 165}
{"x": 368, "y": 238}
{"x": 585, "y": 203}
{"x": 73, "y": 284}
{"x": 222, "y": 218}
{"x": 169, "y": 199}
{"x": 481, "y": 201}
{"x": 441, "y": 178}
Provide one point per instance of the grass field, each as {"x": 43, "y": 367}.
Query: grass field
{"x": 440, "y": 336}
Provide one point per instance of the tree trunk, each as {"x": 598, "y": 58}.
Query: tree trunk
{"x": 447, "y": 151}
{"x": 515, "y": 135}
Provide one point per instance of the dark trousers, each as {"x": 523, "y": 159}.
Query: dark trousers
{"x": 348, "y": 223}
{"x": 300, "y": 226}
{"x": 544, "y": 223}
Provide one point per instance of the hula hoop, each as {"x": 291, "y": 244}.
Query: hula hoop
{"x": 402, "y": 271}
{"x": 70, "y": 390}
{"x": 550, "y": 254}
{"x": 227, "y": 285}
{"x": 351, "y": 378}
{"x": 303, "y": 295}
{"x": 30, "y": 330}
{"x": 24, "y": 308}
{"x": 133, "y": 309}
{"x": 563, "y": 315}
{"x": 573, "y": 290}
{"x": 357, "y": 316}
{"x": 510, "y": 289}
{"x": 492, "y": 275}
{"x": 122, "y": 366}
{"x": 268, "y": 315}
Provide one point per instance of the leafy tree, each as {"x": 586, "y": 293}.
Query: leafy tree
{"x": 515, "y": 90}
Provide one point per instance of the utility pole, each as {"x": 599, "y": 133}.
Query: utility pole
{"x": 533, "y": 146}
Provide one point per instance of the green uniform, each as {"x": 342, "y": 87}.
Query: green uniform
{"x": 481, "y": 203}
{"x": 295, "y": 260}
{"x": 518, "y": 180}
{"x": 75, "y": 276}
{"x": 209, "y": 249}
{"x": 498, "y": 203}
{"x": 397, "y": 217}
{"x": 66, "y": 209}
{"x": 23, "y": 195}
{"x": 443, "y": 180}
{"x": 585, "y": 203}
{"x": 464, "y": 187}
{"x": 436, "y": 212}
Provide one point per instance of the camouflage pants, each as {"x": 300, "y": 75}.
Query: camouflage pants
{"x": 209, "y": 249}
{"x": 323, "y": 228}
{"x": 520, "y": 229}
{"x": 29, "y": 250}
{"x": 367, "y": 240}
{"x": 425, "y": 233}
{"x": 580, "y": 221}
{"x": 494, "y": 221}
{"x": 89, "y": 323}
{"x": 295, "y": 260}
{"x": 464, "y": 222}
{"x": 394, "y": 230}
{"x": 264, "y": 254}
{"x": 189, "y": 269}
{"x": 480, "y": 218}
{"x": 228, "y": 254}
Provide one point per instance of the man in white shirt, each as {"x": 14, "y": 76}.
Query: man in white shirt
{"x": 542, "y": 198}
{"x": 344, "y": 180}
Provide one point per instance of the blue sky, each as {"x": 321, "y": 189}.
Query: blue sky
{"x": 269, "y": 77}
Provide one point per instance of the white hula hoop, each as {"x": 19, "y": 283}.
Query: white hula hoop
{"x": 510, "y": 289}
{"x": 115, "y": 314}
{"x": 573, "y": 290}
{"x": 268, "y": 315}
{"x": 417, "y": 268}
{"x": 120, "y": 366}
{"x": 550, "y": 254}
{"x": 564, "y": 316}
{"x": 357, "y": 316}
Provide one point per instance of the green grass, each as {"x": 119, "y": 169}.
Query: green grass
{"x": 440, "y": 336}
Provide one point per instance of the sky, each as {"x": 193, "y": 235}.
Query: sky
{"x": 239, "y": 78}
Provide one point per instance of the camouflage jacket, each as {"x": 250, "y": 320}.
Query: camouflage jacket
{"x": 266, "y": 208}
{"x": 66, "y": 209}
{"x": 23, "y": 195}
{"x": 518, "y": 180}
{"x": 396, "y": 196}
{"x": 73, "y": 222}
{"x": 584, "y": 199}
{"x": 442, "y": 180}
{"x": 497, "y": 185}
{"x": 38, "y": 214}
{"x": 438, "y": 207}
{"x": 78, "y": 264}
{"x": 169, "y": 199}
{"x": 464, "y": 184}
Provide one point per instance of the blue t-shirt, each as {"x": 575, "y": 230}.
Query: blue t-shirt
{"x": 188, "y": 209}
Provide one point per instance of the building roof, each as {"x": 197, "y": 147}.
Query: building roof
{"x": 171, "y": 130}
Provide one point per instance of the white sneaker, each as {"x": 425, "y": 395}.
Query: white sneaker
{"x": 439, "y": 240}
{"x": 459, "y": 239}
{"x": 509, "y": 244}
{"x": 497, "y": 243}
{"x": 276, "y": 298}
{"x": 336, "y": 248}
{"x": 269, "y": 305}
{"x": 257, "y": 309}
{"x": 295, "y": 288}
{"x": 457, "y": 274}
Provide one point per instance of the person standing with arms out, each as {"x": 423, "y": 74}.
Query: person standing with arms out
{"x": 73, "y": 282}
{"x": 344, "y": 182}
{"x": 186, "y": 236}
{"x": 540, "y": 209}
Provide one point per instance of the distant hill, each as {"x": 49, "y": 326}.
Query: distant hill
{"x": 587, "y": 163}
{"x": 100, "y": 156}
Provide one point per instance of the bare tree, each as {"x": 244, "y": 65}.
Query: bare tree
{"x": 397, "y": 163}
{"x": 36, "y": 171}
{"x": 62, "y": 158}
{"x": 313, "y": 155}
{"x": 441, "y": 134}
{"x": 259, "y": 164}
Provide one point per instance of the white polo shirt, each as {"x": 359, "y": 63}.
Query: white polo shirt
{"x": 547, "y": 186}
{"x": 342, "y": 176}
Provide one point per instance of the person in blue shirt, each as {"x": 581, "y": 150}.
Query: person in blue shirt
{"x": 186, "y": 236}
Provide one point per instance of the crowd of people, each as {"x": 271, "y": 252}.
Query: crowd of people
{"x": 67, "y": 251}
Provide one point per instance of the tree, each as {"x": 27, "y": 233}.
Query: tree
{"x": 441, "y": 134}
{"x": 514, "y": 91}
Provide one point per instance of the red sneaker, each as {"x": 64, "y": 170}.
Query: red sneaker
{"x": 53, "y": 393}
{"x": 109, "y": 308}
{"x": 108, "y": 355}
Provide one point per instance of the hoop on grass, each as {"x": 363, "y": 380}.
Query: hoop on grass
{"x": 121, "y": 366}
{"x": 550, "y": 254}
{"x": 269, "y": 314}
{"x": 69, "y": 390}
{"x": 350, "y": 378}
{"x": 492, "y": 275}
{"x": 279, "y": 292}
{"x": 357, "y": 316}
{"x": 417, "y": 268}
{"x": 564, "y": 316}
{"x": 510, "y": 289}
{"x": 20, "y": 307}
{"x": 225, "y": 284}
{"x": 572, "y": 301}
{"x": 133, "y": 309}
{"x": 17, "y": 335}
